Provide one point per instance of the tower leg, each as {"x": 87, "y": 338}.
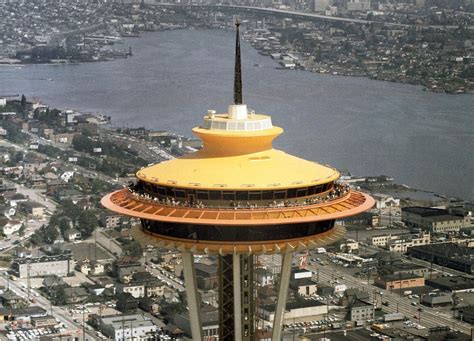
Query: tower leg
{"x": 192, "y": 295}
{"x": 282, "y": 296}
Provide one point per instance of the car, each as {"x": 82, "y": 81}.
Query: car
{"x": 413, "y": 304}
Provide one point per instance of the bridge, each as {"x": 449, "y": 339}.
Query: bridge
{"x": 303, "y": 15}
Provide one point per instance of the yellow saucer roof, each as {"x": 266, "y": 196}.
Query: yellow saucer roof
{"x": 269, "y": 169}
{"x": 238, "y": 155}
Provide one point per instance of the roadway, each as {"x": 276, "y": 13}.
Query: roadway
{"x": 429, "y": 317}
{"x": 58, "y": 312}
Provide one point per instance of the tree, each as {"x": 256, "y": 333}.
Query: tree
{"x": 86, "y": 223}
{"x": 23, "y": 101}
{"x": 64, "y": 224}
{"x": 21, "y": 231}
{"x": 71, "y": 210}
{"x": 50, "y": 234}
{"x": 133, "y": 249}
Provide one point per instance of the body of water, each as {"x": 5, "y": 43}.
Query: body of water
{"x": 368, "y": 127}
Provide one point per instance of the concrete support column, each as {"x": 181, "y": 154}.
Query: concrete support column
{"x": 237, "y": 297}
{"x": 192, "y": 295}
{"x": 282, "y": 296}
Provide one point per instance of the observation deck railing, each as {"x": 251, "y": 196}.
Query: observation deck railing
{"x": 338, "y": 191}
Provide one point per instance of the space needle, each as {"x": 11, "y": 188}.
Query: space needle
{"x": 236, "y": 198}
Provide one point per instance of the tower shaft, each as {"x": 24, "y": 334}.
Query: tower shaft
{"x": 236, "y": 298}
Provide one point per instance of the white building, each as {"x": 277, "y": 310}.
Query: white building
{"x": 11, "y": 227}
{"x": 127, "y": 327}
{"x": 294, "y": 310}
{"x": 385, "y": 201}
{"x": 321, "y": 5}
{"x": 399, "y": 242}
{"x": 60, "y": 265}
{"x": 358, "y": 5}
{"x": 264, "y": 276}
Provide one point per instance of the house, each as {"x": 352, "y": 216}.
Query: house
{"x": 14, "y": 199}
{"x": 11, "y": 227}
{"x": 34, "y": 209}
{"x": 7, "y": 210}
{"x": 126, "y": 303}
{"x": 264, "y": 276}
{"x": 11, "y": 300}
{"x": 92, "y": 268}
{"x": 352, "y": 294}
{"x": 72, "y": 235}
{"x": 137, "y": 290}
{"x": 125, "y": 266}
{"x": 96, "y": 289}
{"x": 75, "y": 295}
{"x": 149, "y": 305}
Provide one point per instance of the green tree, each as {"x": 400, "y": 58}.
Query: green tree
{"x": 22, "y": 230}
{"x": 71, "y": 210}
{"x": 86, "y": 223}
{"x": 50, "y": 234}
{"x": 64, "y": 224}
{"x": 23, "y": 101}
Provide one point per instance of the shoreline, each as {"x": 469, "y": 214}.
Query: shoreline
{"x": 423, "y": 86}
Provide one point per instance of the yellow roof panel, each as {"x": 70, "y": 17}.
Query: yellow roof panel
{"x": 270, "y": 169}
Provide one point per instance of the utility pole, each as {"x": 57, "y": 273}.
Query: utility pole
{"x": 28, "y": 282}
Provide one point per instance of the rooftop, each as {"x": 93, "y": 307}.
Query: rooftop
{"x": 436, "y": 213}
{"x": 399, "y": 276}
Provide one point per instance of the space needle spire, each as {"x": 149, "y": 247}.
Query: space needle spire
{"x": 238, "y": 70}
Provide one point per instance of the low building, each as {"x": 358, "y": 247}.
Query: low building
{"x": 466, "y": 314}
{"x": 23, "y": 315}
{"x": 206, "y": 276}
{"x": 399, "y": 281}
{"x": 361, "y": 311}
{"x": 294, "y": 310}
{"x": 438, "y": 299}
{"x": 399, "y": 242}
{"x": 433, "y": 219}
{"x": 11, "y": 300}
{"x": 385, "y": 201}
{"x": 60, "y": 265}
{"x": 451, "y": 255}
{"x": 209, "y": 321}
{"x": 405, "y": 268}
{"x": 304, "y": 286}
{"x": 452, "y": 284}
{"x": 124, "y": 327}
{"x": 43, "y": 321}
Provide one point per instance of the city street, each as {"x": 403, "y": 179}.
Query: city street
{"x": 429, "y": 317}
